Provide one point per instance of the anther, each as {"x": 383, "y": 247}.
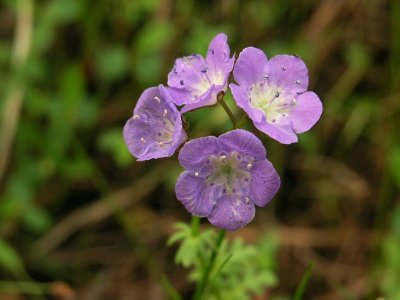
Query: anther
{"x": 247, "y": 200}
{"x": 277, "y": 95}
{"x": 294, "y": 101}
{"x": 181, "y": 82}
{"x": 283, "y": 68}
{"x": 143, "y": 140}
{"x": 196, "y": 174}
{"x": 297, "y": 82}
{"x": 136, "y": 117}
{"x": 266, "y": 77}
{"x": 222, "y": 157}
{"x": 249, "y": 165}
{"x": 158, "y": 99}
{"x": 165, "y": 113}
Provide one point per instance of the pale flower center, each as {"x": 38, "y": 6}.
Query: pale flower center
{"x": 272, "y": 100}
{"x": 229, "y": 171}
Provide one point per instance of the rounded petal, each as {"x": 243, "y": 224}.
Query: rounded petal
{"x": 265, "y": 182}
{"x": 232, "y": 212}
{"x": 194, "y": 194}
{"x": 244, "y": 142}
{"x": 218, "y": 55}
{"x": 306, "y": 112}
{"x": 179, "y": 96}
{"x": 194, "y": 154}
{"x": 186, "y": 73}
{"x": 283, "y": 133}
{"x": 242, "y": 100}
{"x": 250, "y": 66}
{"x": 207, "y": 99}
{"x": 288, "y": 71}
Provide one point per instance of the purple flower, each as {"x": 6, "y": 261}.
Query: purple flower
{"x": 155, "y": 129}
{"x": 225, "y": 178}
{"x": 274, "y": 94}
{"x": 195, "y": 81}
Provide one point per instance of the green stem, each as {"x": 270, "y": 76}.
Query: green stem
{"x": 195, "y": 225}
{"x": 204, "y": 280}
{"x": 220, "y": 99}
{"x": 304, "y": 281}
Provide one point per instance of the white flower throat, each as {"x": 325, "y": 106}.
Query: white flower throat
{"x": 272, "y": 100}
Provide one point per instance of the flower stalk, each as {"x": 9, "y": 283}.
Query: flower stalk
{"x": 206, "y": 275}
{"x": 220, "y": 99}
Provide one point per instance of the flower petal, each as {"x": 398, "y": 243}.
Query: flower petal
{"x": 283, "y": 133}
{"x": 241, "y": 97}
{"x": 290, "y": 72}
{"x": 250, "y": 66}
{"x": 194, "y": 194}
{"x": 194, "y": 154}
{"x": 232, "y": 212}
{"x": 186, "y": 73}
{"x": 265, "y": 182}
{"x": 306, "y": 112}
{"x": 244, "y": 142}
{"x": 218, "y": 56}
{"x": 207, "y": 99}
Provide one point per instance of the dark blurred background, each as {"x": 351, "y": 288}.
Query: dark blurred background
{"x": 80, "y": 218}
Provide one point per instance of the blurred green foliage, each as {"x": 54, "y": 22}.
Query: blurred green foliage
{"x": 240, "y": 270}
{"x": 87, "y": 63}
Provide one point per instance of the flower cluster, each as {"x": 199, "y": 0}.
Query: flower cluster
{"x": 225, "y": 177}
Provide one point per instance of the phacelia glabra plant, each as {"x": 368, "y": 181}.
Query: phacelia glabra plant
{"x": 274, "y": 94}
{"x": 195, "y": 82}
{"x": 225, "y": 178}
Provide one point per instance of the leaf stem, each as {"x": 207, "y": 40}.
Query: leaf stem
{"x": 220, "y": 99}
{"x": 304, "y": 281}
{"x": 204, "y": 280}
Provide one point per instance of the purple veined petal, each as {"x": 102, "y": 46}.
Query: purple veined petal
{"x": 244, "y": 142}
{"x": 306, "y": 112}
{"x": 290, "y": 72}
{"x": 194, "y": 194}
{"x": 283, "y": 133}
{"x": 207, "y": 99}
{"x": 265, "y": 182}
{"x": 250, "y": 67}
{"x": 194, "y": 154}
{"x": 187, "y": 72}
{"x": 179, "y": 96}
{"x": 241, "y": 97}
{"x": 218, "y": 59}
{"x": 232, "y": 212}
{"x": 155, "y": 129}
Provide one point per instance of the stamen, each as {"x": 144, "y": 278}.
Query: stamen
{"x": 249, "y": 165}
{"x": 136, "y": 117}
{"x": 297, "y": 82}
{"x": 222, "y": 157}
{"x": 196, "y": 174}
{"x": 294, "y": 101}
{"x": 158, "y": 99}
{"x": 266, "y": 77}
{"x": 165, "y": 113}
{"x": 283, "y": 68}
{"x": 247, "y": 200}
{"x": 143, "y": 140}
